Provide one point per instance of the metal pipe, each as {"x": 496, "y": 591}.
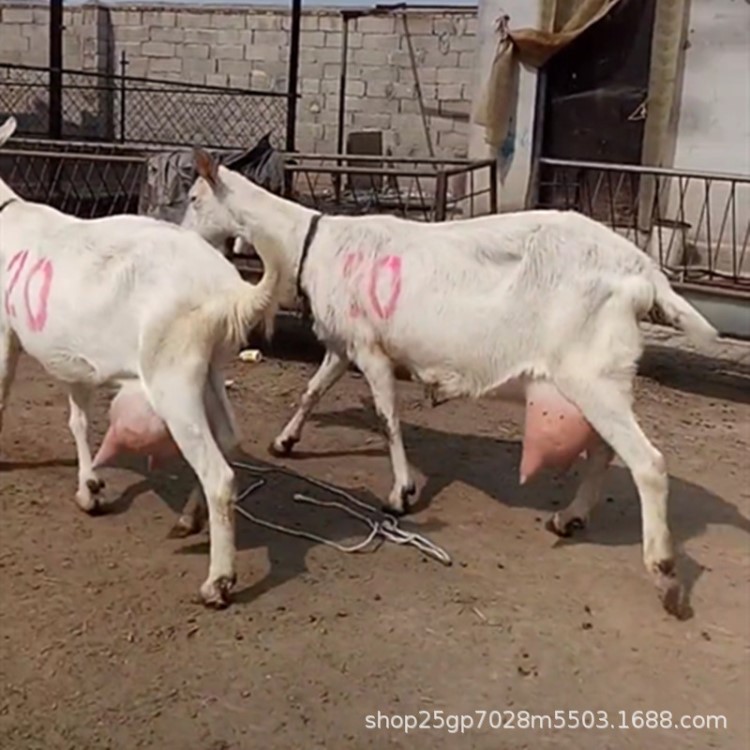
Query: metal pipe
{"x": 292, "y": 84}
{"x": 644, "y": 170}
{"x": 55, "y": 68}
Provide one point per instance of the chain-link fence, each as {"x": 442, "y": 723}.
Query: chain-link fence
{"x": 127, "y": 109}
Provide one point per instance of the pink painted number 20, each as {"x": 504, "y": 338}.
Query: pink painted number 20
{"x": 36, "y": 289}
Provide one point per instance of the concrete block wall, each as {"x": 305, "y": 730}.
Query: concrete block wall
{"x": 249, "y": 48}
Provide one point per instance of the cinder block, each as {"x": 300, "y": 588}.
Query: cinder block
{"x": 157, "y": 49}
{"x": 133, "y": 34}
{"x": 166, "y": 34}
{"x": 376, "y": 24}
{"x": 163, "y": 18}
{"x": 199, "y": 65}
{"x": 330, "y": 22}
{"x": 201, "y": 36}
{"x": 466, "y": 60}
{"x": 229, "y": 52}
{"x": 217, "y": 79}
{"x": 389, "y": 42}
{"x": 261, "y": 52}
{"x": 165, "y": 65}
{"x": 227, "y": 20}
{"x": 234, "y": 67}
{"x": 263, "y": 21}
{"x": 334, "y": 39}
{"x": 310, "y": 39}
{"x": 372, "y": 121}
{"x": 309, "y": 22}
{"x": 18, "y": 15}
{"x": 449, "y": 91}
{"x": 195, "y": 51}
{"x": 309, "y": 86}
{"x": 193, "y": 20}
{"x": 370, "y": 56}
{"x": 270, "y": 38}
{"x": 452, "y": 75}
{"x": 231, "y": 36}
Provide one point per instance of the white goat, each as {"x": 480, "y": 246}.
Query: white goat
{"x": 134, "y": 301}
{"x": 496, "y": 304}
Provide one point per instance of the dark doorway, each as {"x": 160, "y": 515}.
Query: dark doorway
{"x": 594, "y": 97}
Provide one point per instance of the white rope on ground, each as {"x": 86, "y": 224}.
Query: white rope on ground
{"x": 386, "y": 529}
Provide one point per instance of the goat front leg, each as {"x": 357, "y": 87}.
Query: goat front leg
{"x": 575, "y": 516}
{"x": 328, "y": 374}
{"x": 89, "y": 484}
{"x": 378, "y": 372}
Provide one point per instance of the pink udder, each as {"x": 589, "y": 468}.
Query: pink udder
{"x": 135, "y": 428}
{"x": 555, "y": 431}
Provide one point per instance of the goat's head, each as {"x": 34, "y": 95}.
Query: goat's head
{"x": 208, "y": 212}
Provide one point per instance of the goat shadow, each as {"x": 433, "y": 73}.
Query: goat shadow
{"x": 490, "y": 465}
{"x": 273, "y": 502}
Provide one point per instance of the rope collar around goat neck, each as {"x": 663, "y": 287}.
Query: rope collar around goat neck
{"x": 7, "y": 203}
{"x": 312, "y": 230}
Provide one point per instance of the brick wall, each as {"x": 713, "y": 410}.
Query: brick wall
{"x": 249, "y": 47}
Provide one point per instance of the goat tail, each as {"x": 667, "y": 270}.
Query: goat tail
{"x": 247, "y": 305}
{"x": 681, "y": 313}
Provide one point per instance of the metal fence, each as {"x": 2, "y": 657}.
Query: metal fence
{"x": 83, "y": 179}
{"x": 126, "y": 109}
{"x": 696, "y": 224}
{"x": 427, "y": 189}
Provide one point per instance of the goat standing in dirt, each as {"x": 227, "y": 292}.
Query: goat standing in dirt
{"x": 144, "y": 304}
{"x": 537, "y": 305}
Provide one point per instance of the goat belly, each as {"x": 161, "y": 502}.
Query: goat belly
{"x": 555, "y": 431}
{"x": 135, "y": 428}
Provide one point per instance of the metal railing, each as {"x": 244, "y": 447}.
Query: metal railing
{"x": 696, "y": 224}
{"x": 427, "y": 189}
{"x": 126, "y": 109}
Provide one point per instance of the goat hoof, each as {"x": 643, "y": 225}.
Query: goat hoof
{"x": 88, "y": 503}
{"x": 398, "y": 503}
{"x": 217, "y": 594}
{"x": 564, "y": 529}
{"x": 281, "y": 448}
{"x": 95, "y": 485}
{"x": 186, "y": 526}
{"x": 671, "y": 592}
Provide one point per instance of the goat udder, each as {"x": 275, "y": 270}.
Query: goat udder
{"x": 555, "y": 431}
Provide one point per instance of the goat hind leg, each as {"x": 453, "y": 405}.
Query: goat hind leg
{"x": 9, "y": 353}
{"x": 179, "y": 400}
{"x": 589, "y": 493}
{"x": 327, "y": 375}
{"x": 378, "y": 371}
{"x": 89, "y": 484}
{"x": 607, "y": 406}
{"x": 195, "y": 513}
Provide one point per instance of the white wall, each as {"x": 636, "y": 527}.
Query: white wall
{"x": 515, "y": 168}
{"x": 713, "y": 131}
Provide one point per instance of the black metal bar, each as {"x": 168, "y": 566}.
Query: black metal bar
{"x": 540, "y": 111}
{"x": 293, "y": 79}
{"x": 55, "y": 68}
{"x": 123, "y": 94}
{"x": 441, "y": 196}
{"x": 493, "y": 187}
{"x": 342, "y": 84}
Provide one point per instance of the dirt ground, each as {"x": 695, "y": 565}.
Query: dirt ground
{"x": 102, "y": 644}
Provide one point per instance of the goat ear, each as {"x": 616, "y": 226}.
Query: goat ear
{"x": 206, "y": 166}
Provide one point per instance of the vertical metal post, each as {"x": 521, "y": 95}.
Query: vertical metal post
{"x": 341, "y": 125}
{"x": 55, "y": 68}
{"x": 441, "y": 195}
{"x": 123, "y": 68}
{"x": 493, "y": 186}
{"x": 291, "y": 102}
